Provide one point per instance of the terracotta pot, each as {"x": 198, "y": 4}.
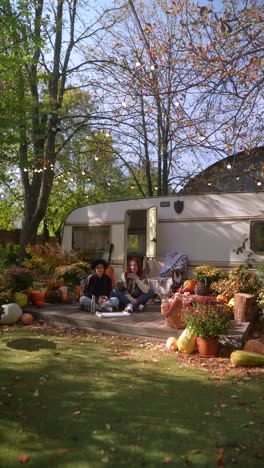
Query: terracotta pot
{"x": 207, "y": 347}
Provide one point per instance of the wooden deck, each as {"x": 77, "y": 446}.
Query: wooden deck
{"x": 149, "y": 325}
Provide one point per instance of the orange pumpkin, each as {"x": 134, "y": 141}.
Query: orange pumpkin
{"x": 189, "y": 285}
{"x": 222, "y": 298}
{"x": 27, "y": 319}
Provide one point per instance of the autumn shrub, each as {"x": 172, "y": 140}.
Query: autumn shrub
{"x": 240, "y": 280}
{"x": 44, "y": 258}
{"x": 70, "y": 274}
{"x": 18, "y": 279}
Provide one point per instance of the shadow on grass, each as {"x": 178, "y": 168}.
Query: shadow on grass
{"x": 109, "y": 403}
{"x": 31, "y": 344}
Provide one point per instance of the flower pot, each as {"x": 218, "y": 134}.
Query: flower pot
{"x": 207, "y": 347}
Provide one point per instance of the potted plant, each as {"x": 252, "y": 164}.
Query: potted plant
{"x": 207, "y": 322}
{"x": 204, "y": 275}
{"x": 18, "y": 279}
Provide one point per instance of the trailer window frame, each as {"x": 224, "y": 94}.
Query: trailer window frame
{"x": 88, "y": 237}
{"x": 257, "y": 237}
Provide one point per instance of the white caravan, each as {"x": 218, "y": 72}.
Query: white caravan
{"x": 222, "y": 229}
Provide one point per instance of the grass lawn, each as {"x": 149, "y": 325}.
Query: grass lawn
{"x": 73, "y": 399}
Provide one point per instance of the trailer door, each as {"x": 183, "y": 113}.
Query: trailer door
{"x": 151, "y": 233}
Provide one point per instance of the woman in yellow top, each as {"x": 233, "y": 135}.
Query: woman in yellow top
{"x": 132, "y": 291}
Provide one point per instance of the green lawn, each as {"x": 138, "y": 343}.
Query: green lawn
{"x": 82, "y": 400}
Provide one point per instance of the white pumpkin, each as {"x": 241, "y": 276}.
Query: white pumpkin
{"x": 12, "y": 314}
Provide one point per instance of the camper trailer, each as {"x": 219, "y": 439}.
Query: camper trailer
{"x": 222, "y": 229}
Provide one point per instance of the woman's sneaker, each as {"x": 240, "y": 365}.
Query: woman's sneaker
{"x": 129, "y": 308}
{"x": 141, "y": 307}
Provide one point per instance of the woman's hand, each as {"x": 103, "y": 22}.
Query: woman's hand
{"x": 102, "y": 300}
{"x": 133, "y": 300}
{"x": 133, "y": 276}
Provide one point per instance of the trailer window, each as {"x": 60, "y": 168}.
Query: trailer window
{"x": 257, "y": 236}
{"x": 91, "y": 238}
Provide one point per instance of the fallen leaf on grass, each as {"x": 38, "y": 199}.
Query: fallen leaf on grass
{"x": 36, "y": 393}
{"x": 76, "y": 413}
{"x": 220, "y": 457}
{"x": 63, "y": 450}
{"x": 23, "y": 458}
{"x": 167, "y": 460}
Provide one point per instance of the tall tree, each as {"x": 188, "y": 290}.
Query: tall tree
{"x": 174, "y": 99}
{"x": 44, "y": 39}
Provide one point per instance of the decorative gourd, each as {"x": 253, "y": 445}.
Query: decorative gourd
{"x": 186, "y": 342}
{"x": 171, "y": 344}
{"x": 222, "y": 298}
{"x": 27, "y": 319}
{"x": 246, "y": 359}
{"x": 231, "y": 303}
{"x": 12, "y": 314}
{"x": 21, "y": 299}
{"x": 189, "y": 285}
{"x": 254, "y": 346}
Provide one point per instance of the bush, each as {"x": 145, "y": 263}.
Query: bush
{"x": 8, "y": 256}
{"x": 70, "y": 274}
{"x": 240, "y": 280}
{"x": 18, "y": 279}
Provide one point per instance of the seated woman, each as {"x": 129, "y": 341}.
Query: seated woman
{"x": 132, "y": 291}
{"x": 99, "y": 285}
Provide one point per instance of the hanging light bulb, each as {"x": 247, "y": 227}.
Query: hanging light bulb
{"x": 177, "y": 104}
{"x": 152, "y": 67}
{"x": 83, "y": 173}
{"x": 237, "y": 177}
{"x": 96, "y": 158}
{"x": 209, "y": 184}
{"x": 229, "y": 166}
{"x": 138, "y": 64}
{"x": 259, "y": 183}
{"x": 123, "y": 104}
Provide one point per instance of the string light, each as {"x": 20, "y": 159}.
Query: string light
{"x": 229, "y": 166}
{"x": 152, "y": 67}
{"x": 177, "y": 104}
{"x": 209, "y": 184}
{"x": 138, "y": 64}
{"x": 259, "y": 183}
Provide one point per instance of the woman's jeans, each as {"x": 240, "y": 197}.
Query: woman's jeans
{"x": 124, "y": 300}
{"x": 86, "y": 302}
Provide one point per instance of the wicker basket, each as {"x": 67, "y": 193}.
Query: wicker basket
{"x": 172, "y": 312}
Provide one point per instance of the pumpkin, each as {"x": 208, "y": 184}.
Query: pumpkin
{"x": 12, "y": 313}
{"x": 21, "y": 299}
{"x": 171, "y": 343}
{"x": 222, "y": 298}
{"x": 27, "y": 319}
{"x": 246, "y": 359}
{"x": 40, "y": 304}
{"x": 186, "y": 342}
{"x": 189, "y": 285}
{"x": 254, "y": 346}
